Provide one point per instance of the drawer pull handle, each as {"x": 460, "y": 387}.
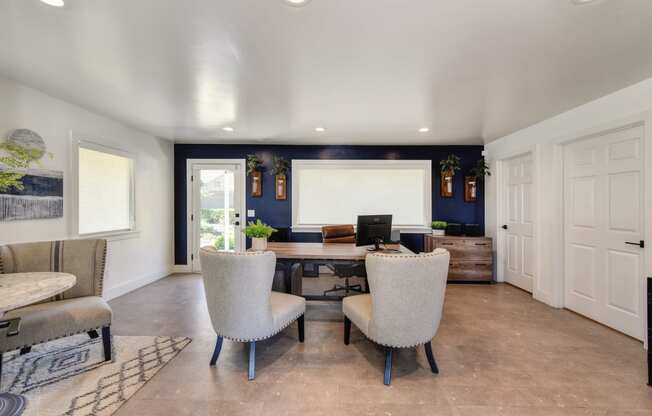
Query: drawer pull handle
{"x": 481, "y": 244}
{"x": 447, "y": 244}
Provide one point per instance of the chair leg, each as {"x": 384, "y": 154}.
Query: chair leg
{"x": 216, "y": 351}
{"x": 388, "y": 366}
{"x": 0, "y": 369}
{"x": 106, "y": 341}
{"x": 301, "y": 323}
{"x": 93, "y": 334}
{"x": 252, "y": 360}
{"x": 347, "y": 331}
{"x": 431, "y": 358}
{"x": 25, "y": 350}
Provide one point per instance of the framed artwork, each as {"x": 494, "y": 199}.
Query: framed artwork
{"x": 27, "y": 193}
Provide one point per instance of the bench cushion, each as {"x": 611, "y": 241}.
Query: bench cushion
{"x": 47, "y": 321}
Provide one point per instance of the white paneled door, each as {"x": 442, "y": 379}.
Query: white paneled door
{"x": 604, "y": 216}
{"x": 520, "y": 255}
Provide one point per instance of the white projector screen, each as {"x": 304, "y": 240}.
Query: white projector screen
{"x": 326, "y": 192}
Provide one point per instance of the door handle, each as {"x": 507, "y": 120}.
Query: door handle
{"x": 505, "y": 227}
{"x": 237, "y": 223}
{"x": 641, "y": 243}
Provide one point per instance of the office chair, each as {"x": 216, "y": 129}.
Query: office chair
{"x": 343, "y": 234}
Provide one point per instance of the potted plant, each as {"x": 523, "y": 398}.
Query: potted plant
{"x": 478, "y": 172}
{"x": 254, "y": 168}
{"x": 280, "y": 166}
{"x": 259, "y": 232}
{"x": 439, "y": 227}
{"x": 448, "y": 168}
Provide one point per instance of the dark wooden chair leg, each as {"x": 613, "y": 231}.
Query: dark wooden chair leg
{"x": 301, "y": 323}
{"x": 431, "y": 358}
{"x": 93, "y": 334}
{"x": 0, "y": 369}
{"x": 25, "y": 350}
{"x": 106, "y": 341}
{"x": 216, "y": 351}
{"x": 388, "y": 366}
{"x": 252, "y": 360}
{"x": 347, "y": 331}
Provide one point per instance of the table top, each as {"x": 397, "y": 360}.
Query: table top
{"x": 22, "y": 289}
{"x": 323, "y": 251}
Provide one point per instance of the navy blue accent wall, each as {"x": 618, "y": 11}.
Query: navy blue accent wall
{"x": 279, "y": 213}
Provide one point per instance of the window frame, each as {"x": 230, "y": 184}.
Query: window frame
{"x": 424, "y": 164}
{"x": 132, "y": 231}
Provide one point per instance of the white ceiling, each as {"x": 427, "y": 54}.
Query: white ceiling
{"x": 370, "y": 71}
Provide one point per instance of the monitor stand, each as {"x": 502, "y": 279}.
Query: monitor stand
{"x": 377, "y": 243}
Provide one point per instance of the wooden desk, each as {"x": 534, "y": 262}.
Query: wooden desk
{"x": 290, "y": 254}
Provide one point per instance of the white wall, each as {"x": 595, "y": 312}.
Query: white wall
{"x": 132, "y": 262}
{"x": 632, "y": 105}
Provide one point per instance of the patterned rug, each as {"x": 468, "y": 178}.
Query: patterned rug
{"x": 69, "y": 377}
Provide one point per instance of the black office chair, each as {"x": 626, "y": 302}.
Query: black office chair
{"x": 343, "y": 234}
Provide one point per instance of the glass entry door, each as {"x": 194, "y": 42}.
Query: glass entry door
{"x": 216, "y": 217}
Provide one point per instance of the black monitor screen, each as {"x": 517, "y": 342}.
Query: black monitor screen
{"x": 373, "y": 230}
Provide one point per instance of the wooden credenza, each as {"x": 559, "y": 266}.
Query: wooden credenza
{"x": 471, "y": 257}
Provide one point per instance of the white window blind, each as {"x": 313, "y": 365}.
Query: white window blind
{"x": 328, "y": 192}
{"x": 106, "y": 200}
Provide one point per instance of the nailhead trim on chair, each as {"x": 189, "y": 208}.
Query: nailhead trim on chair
{"x": 436, "y": 252}
{"x": 55, "y": 338}
{"x": 287, "y": 324}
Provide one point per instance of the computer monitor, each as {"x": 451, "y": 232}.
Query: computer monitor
{"x": 373, "y": 230}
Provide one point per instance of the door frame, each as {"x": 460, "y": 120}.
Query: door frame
{"x": 501, "y": 195}
{"x": 643, "y": 121}
{"x": 241, "y": 181}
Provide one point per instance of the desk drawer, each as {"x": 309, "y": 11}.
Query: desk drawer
{"x": 477, "y": 270}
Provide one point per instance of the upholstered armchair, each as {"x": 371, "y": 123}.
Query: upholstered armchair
{"x": 405, "y": 305}
{"x": 77, "y": 310}
{"x": 241, "y": 303}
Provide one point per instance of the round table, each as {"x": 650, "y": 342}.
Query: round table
{"x": 22, "y": 289}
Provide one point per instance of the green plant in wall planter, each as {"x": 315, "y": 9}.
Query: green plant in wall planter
{"x": 439, "y": 227}
{"x": 448, "y": 166}
{"x": 280, "y": 167}
{"x": 259, "y": 232}
{"x": 254, "y": 170}
{"x": 480, "y": 170}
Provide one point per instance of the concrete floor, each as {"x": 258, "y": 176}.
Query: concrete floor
{"x": 499, "y": 353}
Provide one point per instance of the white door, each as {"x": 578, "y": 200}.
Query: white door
{"x": 217, "y": 208}
{"x": 604, "y": 229}
{"x": 520, "y": 256}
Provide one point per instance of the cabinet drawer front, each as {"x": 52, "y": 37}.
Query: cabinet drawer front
{"x": 467, "y": 249}
{"x": 470, "y": 270}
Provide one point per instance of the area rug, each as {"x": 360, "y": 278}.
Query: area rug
{"x": 70, "y": 377}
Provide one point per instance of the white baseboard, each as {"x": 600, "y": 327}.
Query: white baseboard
{"x": 182, "y": 268}
{"x": 132, "y": 285}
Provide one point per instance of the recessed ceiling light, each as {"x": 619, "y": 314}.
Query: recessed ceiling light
{"x": 424, "y": 130}
{"x": 320, "y": 129}
{"x": 55, "y": 3}
{"x": 228, "y": 128}
{"x": 296, "y": 3}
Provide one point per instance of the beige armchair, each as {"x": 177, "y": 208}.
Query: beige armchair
{"x": 77, "y": 310}
{"x": 405, "y": 305}
{"x": 240, "y": 300}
